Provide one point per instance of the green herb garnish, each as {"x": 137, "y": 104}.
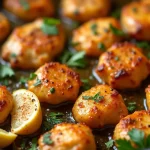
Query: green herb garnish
{"x": 76, "y": 59}
{"x": 49, "y": 26}
{"x": 32, "y": 76}
{"x": 85, "y": 84}
{"x": 138, "y": 138}
{"x": 33, "y": 144}
{"x": 38, "y": 82}
{"x": 109, "y": 144}
{"x": 47, "y": 139}
{"x": 116, "y": 31}
{"x": 116, "y": 13}
{"x": 117, "y": 58}
{"x": 101, "y": 46}
{"x": 97, "y": 97}
{"x": 94, "y": 29}
{"x": 131, "y": 107}
{"x": 52, "y": 119}
{"x": 25, "y": 4}
{"x": 143, "y": 44}
{"x": 52, "y": 90}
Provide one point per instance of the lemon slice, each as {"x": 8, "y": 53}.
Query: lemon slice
{"x": 26, "y": 116}
{"x": 6, "y": 138}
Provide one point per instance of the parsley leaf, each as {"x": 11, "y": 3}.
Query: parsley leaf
{"x": 47, "y": 139}
{"x": 76, "y": 59}
{"x": 25, "y": 4}
{"x": 38, "y": 82}
{"x": 116, "y": 31}
{"x": 143, "y": 44}
{"x": 123, "y": 144}
{"x": 34, "y": 144}
{"x": 85, "y": 84}
{"x": 94, "y": 29}
{"x": 32, "y": 76}
{"x": 49, "y": 26}
{"x": 101, "y": 46}
{"x": 96, "y": 97}
{"x": 137, "y": 136}
{"x": 131, "y": 106}
{"x": 6, "y": 71}
{"x": 116, "y": 13}
{"x": 52, "y": 119}
{"x": 52, "y": 90}
{"x": 109, "y": 144}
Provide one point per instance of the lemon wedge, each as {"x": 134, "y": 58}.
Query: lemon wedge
{"x": 6, "y": 138}
{"x": 26, "y": 116}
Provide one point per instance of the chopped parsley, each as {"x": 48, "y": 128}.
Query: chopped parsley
{"x": 101, "y": 46}
{"x": 52, "y": 119}
{"x": 116, "y": 13}
{"x": 85, "y": 84}
{"x": 13, "y": 55}
{"x": 109, "y": 144}
{"x": 23, "y": 80}
{"x": 33, "y": 144}
{"x": 137, "y": 137}
{"x": 52, "y": 90}
{"x": 49, "y": 26}
{"x": 131, "y": 107}
{"x": 32, "y": 76}
{"x": 97, "y": 97}
{"x": 6, "y": 71}
{"x": 143, "y": 44}
{"x": 38, "y": 82}
{"x": 94, "y": 29}
{"x": 117, "y": 58}
{"x": 47, "y": 139}
{"x": 76, "y": 59}
{"x": 116, "y": 31}
{"x": 25, "y": 4}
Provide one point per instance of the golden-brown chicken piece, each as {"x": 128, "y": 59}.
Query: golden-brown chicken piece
{"x": 139, "y": 120}
{"x": 67, "y": 136}
{"x": 99, "y": 106}
{"x": 147, "y": 90}
{"x": 6, "y": 103}
{"x": 29, "y": 46}
{"x": 135, "y": 19}
{"x": 55, "y": 83}
{"x": 4, "y": 27}
{"x": 95, "y": 36}
{"x": 123, "y": 66}
{"x": 84, "y": 10}
{"x": 30, "y": 9}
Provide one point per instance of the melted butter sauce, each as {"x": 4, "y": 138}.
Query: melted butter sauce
{"x": 102, "y": 135}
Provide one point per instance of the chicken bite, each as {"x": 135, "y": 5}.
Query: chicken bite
{"x": 4, "y": 27}
{"x": 95, "y": 36}
{"x": 135, "y": 19}
{"x": 55, "y": 83}
{"x": 84, "y": 10}
{"x": 30, "y": 9}
{"x": 6, "y": 103}
{"x": 32, "y": 45}
{"x": 67, "y": 136}
{"x": 99, "y": 106}
{"x": 139, "y": 120}
{"x": 121, "y": 66}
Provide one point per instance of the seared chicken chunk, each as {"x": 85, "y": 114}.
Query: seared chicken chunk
{"x": 67, "y": 136}
{"x": 135, "y": 19}
{"x": 99, "y": 106}
{"x": 29, "y": 46}
{"x": 123, "y": 66}
{"x": 55, "y": 83}
{"x": 6, "y": 103}
{"x": 4, "y": 27}
{"x": 147, "y": 90}
{"x": 30, "y": 9}
{"x": 139, "y": 120}
{"x": 84, "y": 10}
{"x": 95, "y": 36}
